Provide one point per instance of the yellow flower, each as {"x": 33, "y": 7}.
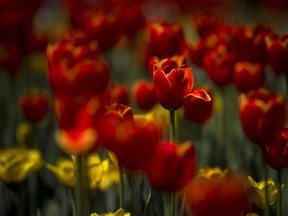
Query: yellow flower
{"x": 119, "y": 212}
{"x": 17, "y": 163}
{"x": 212, "y": 173}
{"x": 64, "y": 171}
{"x": 101, "y": 174}
{"x": 96, "y": 169}
{"x": 256, "y": 191}
{"x": 252, "y": 214}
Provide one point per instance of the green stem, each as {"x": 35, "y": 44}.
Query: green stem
{"x": 81, "y": 187}
{"x": 266, "y": 206}
{"x": 121, "y": 188}
{"x": 172, "y": 197}
{"x": 279, "y": 200}
{"x": 172, "y": 126}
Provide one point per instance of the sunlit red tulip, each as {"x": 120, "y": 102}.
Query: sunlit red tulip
{"x": 248, "y": 76}
{"x": 217, "y": 195}
{"x": 166, "y": 40}
{"x": 198, "y": 110}
{"x": 262, "y": 115}
{"x": 144, "y": 94}
{"x": 276, "y": 154}
{"x": 278, "y": 54}
{"x": 173, "y": 83}
{"x": 34, "y": 106}
{"x": 171, "y": 166}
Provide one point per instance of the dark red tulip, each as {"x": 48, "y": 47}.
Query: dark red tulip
{"x": 217, "y": 195}
{"x": 171, "y": 167}
{"x": 166, "y": 40}
{"x": 248, "y": 76}
{"x": 278, "y": 54}
{"x": 133, "y": 142}
{"x": 262, "y": 115}
{"x": 144, "y": 94}
{"x": 34, "y": 106}
{"x": 219, "y": 65}
{"x": 276, "y": 154}
{"x": 198, "y": 110}
{"x": 117, "y": 94}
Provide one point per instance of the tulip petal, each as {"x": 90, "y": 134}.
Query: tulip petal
{"x": 199, "y": 93}
{"x": 162, "y": 88}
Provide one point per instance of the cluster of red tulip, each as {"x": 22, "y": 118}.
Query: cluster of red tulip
{"x": 94, "y": 112}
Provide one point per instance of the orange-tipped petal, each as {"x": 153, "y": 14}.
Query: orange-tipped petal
{"x": 199, "y": 93}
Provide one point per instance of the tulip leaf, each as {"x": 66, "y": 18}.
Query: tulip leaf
{"x": 148, "y": 207}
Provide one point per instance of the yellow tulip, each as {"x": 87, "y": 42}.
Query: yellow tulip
{"x": 100, "y": 173}
{"x": 64, "y": 171}
{"x": 256, "y": 191}
{"x": 119, "y": 212}
{"x": 212, "y": 173}
{"x": 17, "y": 163}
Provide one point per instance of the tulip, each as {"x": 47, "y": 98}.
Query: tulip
{"x": 248, "y": 76}
{"x": 181, "y": 162}
{"x": 278, "y": 53}
{"x": 276, "y": 155}
{"x": 132, "y": 141}
{"x": 64, "y": 170}
{"x": 16, "y": 164}
{"x": 262, "y": 115}
{"x": 144, "y": 94}
{"x": 174, "y": 84}
{"x": 219, "y": 194}
{"x": 256, "y": 192}
{"x": 166, "y": 40}
{"x": 219, "y": 65}
{"x": 198, "y": 110}
{"x": 119, "y": 212}
{"x": 117, "y": 94}
{"x": 34, "y": 106}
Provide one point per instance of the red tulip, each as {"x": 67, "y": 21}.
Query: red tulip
{"x": 248, "y": 76}
{"x": 262, "y": 115}
{"x": 132, "y": 142}
{"x": 219, "y": 64}
{"x": 173, "y": 84}
{"x": 144, "y": 94}
{"x": 166, "y": 40}
{"x": 276, "y": 154}
{"x": 75, "y": 68}
{"x": 34, "y": 107}
{"x": 119, "y": 112}
{"x": 171, "y": 166}
{"x": 78, "y": 121}
{"x": 117, "y": 94}
{"x": 206, "y": 24}
{"x": 87, "y": 78}
{"x": 217, "y": 195}
{"x": 196, "y": 109}
{"x": 278, "y": 54}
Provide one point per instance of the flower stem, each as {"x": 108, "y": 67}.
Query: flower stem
{"x": 172, "y": 126}
{"x": 121, "y": 188}
{"x": 81, "y": 187}
{"x": 172, "y": 197}
{"x": 266, "y": 206}
{"x": 279, "y": 200}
